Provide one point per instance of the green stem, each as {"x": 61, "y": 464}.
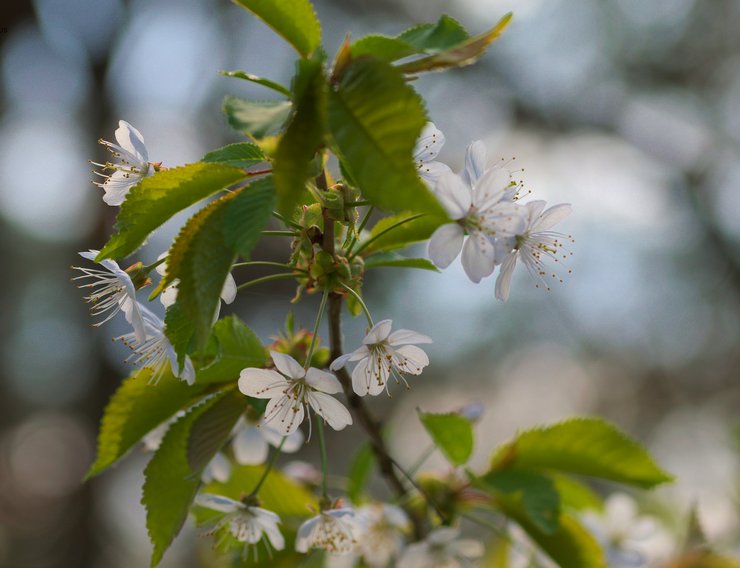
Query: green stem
{"x": 374, "y": 238}
{"x": 280, "y": 233}
{"x": 422, "y": 458}
{"x": 324, "y": 460}
{"x": 364, "y": 221}
{"x": 421, "y": 491}
{"x": 358, "y": 203}
{"x": 316, "y": 325}
{"x": 285, "y": 220}
{"x": 268, "y": 467}
{"x": 267, "y": 263}
{"x": 361, "y": 302}
{"x": 264, "y": 279}
{"x": 154, "y": 265}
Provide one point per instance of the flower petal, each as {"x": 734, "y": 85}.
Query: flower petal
{"x": 551, "y": 217}
{"x": 340, "y": 362}
{"x": 478, "y": 257}
{"x": 429, "y": 144}
{"x": 454, "y": 195}
{"x": 432, "y": 171}
{"x": 284, "y": 414}
{"x": 491, "y": 187}
{"x": 403, "y": 336}
{"x": 287, "y": 365}
{"x": 503, "y": 282}
{"x": 169, "y": 294}
{"x": 445, "y": 244}
{"x": 323, "y": 381}
{"x": 328, "y": 407}
{"x": 305, "y": 532}
{"x": 261, "y": 383}
{"x": 131, "y": 140}
{"x": 250, "y": 446}
{"x": 411, "y": 359}
{"x": 292, "y": 443}
{"x": 378, "y": 333}
{"x": 228, "y": 292}
{"x": 218, "y": 503}
{"x": 475, "y": 162}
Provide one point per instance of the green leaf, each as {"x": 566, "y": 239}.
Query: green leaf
{"x": 430, "y": 38}
{"x": 239, "y": 155}
{"x": 452, "y": 433}
{"x": 212, "y": 428}
{"x": 179, "y": 329}
{"x": 257, "y": 118}
{"x": 531, "y": 493}
{"x": 359, "y": 473}
{"x": 375, "y": 119}
{"x": 382, "y": 47}
{"x": 136, "y": 408}
{"x": 575, "y": 495}
{"x": 394, "y": 260}
{"x": 279, "y": 493}
{"x": 304, "y": 136}
{"x": 401, "y": 236}
{"x": 170, "y": 483}
{"x": 295, "y": 20}
{"x": 157, "y": 198}
{"x": 258, "y": 80}
{"x": 585, "y": 446}
{"x": 231, "y": 348}
{"x": 247, "y": 215}
{"x": 460, "y": 55}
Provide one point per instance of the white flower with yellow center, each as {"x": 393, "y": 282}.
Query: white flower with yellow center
{"x": 130, "y": 163}
{"x": 533, "y": 245}
{"x": 381, "y": 353}
{"x": 290, "y": 389}
{"x": 336, "y": 531}
{"x": 441, "y": 548}
{"x": 427, "y": 147}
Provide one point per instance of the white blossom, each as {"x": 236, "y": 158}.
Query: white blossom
{"x": 111, "y": 290}
{"x": 218, "y": 469}
{"x": 441, "y": 548}
{"x": 533, "y": 244}
{"x": 252, "y": 440}
{"x": 382, "y": 539}
{"x": 482, "y": 211}
{"x": 155, "y": 352}
{"x": 427, "y": 147}
{"x": 168, "y": 296}
{"x": 290, "y": 389}
{"x": 247, "y": 524}
{"x": 380, "y": 354}
{"x": 130, "y": 163}
{"x": 335, "y": 530}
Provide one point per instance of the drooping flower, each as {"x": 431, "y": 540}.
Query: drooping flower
{"x": 252, "y": 440}
{"x": 290, "y": 389}
{"x": 380, "y": 354}
{"x": 427, "y": 147}
{"x": 441, "y": 548}
{"x": 335, "y": 530}
{"x": 483, "y": 212}
{"x": 112, "y": 290}
{"x": 169, "y": 294}
{"x": 130, "y": 163}
{"x": 533, "y": 244}
{"x": 247, "y": 524}
{"x": 155, "y": 352}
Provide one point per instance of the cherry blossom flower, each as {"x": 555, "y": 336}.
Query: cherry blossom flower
{"x": 290, "y": 389}
{"x": 481, "y": 211}
{"x": 533, "y": 244}
{"x": 335, "y": 530}
{"x": 155, "y": 352}
{"x": 247, "y": 524}
{"x": 112, "y": 290}
{"x": 380, "y": 354}
{"x": 427, "y": 147}
{"x": 441, "y": 548}
{"x": 168, "y": 296}
{"x": 218, "y": 469}
{"x": 252, "y": 440}
{"x": 382, "y": 540}
{"x": 130, "y": 163}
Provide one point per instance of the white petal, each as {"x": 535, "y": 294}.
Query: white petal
{"x": 370, "y": 376}
{"x": 287, "y": 365}
{"x": 162, "y": 268}
{"x": 534, "y": 210}
{"x": 429, "y": 144}
{"x": 323, "y": 381}
{"x": 491, "y": 187}
{"x": 284, "y": 415}
{"x": 228, "y": 292}
{"x": 328, "y": 407}
{"x": 443, "y": 535}
{"x": 478, "y": 257}
{"x": 413, "y": 359}
{"x": 432, "y": 171}
{"x": 293, "y": 441}
{"x": 250, "y": 446}
{"x": 132, "y": 311}
{"x": 552, "y": 217}
{"x": 218, "y": 503}
{"x": 340, "y": 362}
{"x": 219, "y": 468}
{"x": 117, "y": 186}
{"x": 445, "y": 244}
{"x": 505, "y": 218}
{"x": 131, "y": 140}
{"x": 475, "y": 162}
{"x": 276, "y": 538}
{"x": 261, "y": 383}
{"x": 305, "y": 532}
{"x": 169, "y": 295}
{"x": 454, "y": 195}
{"x": 188, "y": 373}
{"x": 360, "y": 382}
{"x": 403, "y": 336}
{"x": 503, "y": 282}
{"x": 378, "y": 333}
{"x": 466, "y": 548}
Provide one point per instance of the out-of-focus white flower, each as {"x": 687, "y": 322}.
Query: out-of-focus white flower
{"x": 168, "y": 296}
{"x": 130, "y": 163}
{"x": 290, "y": 389}
{"x": 533, "y": 244}
{"x": 336, "y": 531}
{"x": 483, "y": 213}
{"x": 441, "y": 548}
{"x": 218, "y": 469}
{"x": 252, "y": 440}
{"x": 382, "y": 540}
{"x": 427, "y": 147}
{"x": 629, "y": 539}
{"x": 112, "y": 290}
{"x": 155, "y": 352}
{"x": 382, "y": 352}
{"x": 303, "y": 472}
{"x": 247, "y": 524}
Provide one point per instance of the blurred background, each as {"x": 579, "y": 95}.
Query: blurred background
{"x": 629, "y": 110}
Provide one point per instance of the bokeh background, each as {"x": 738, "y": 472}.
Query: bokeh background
{"x": 629, "y": 110}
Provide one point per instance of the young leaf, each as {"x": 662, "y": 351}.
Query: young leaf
{"x": 575, "y": 495}
{"x": 304, "y": 136}
{"x": 430, "y": 38}
{"x": 231, "y": 348}
{"x": 239, "y": 155}
{"x": 382, "y": 47}
{"x": 460, "y": 55}
{"x": 586, "y": 446}
{"x": 257, "y": 118}
{"x": 136, "y": 408}
{"x": 258, "y": 80}
{"x": 531, "y": 493}
{"x": 247, "y": 215}
{"x": 155, "y": 199}
{"x": 170, "y": 484}
{"x": 295, "y": 20}
{"x": 375, "y": 118}
{"x": 359, "y": 472}
{"x": 395, "y": 260}
{"x": 385, "y": 238}
{"x": 452, "y": 433}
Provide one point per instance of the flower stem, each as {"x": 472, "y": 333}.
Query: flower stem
{"x": 312, "y": 346}
{"x": 362, "y": 304}
{"x": 364, "y": 221}
{"x": 154, "y": 264}
{"x": 264, "y": 279}
{"x": 267, "y": 263}
{"x": 268, "y": 467}
{"x": 324, "y": 459}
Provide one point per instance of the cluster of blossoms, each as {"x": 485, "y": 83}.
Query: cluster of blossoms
{"x": 491, "y": 227}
